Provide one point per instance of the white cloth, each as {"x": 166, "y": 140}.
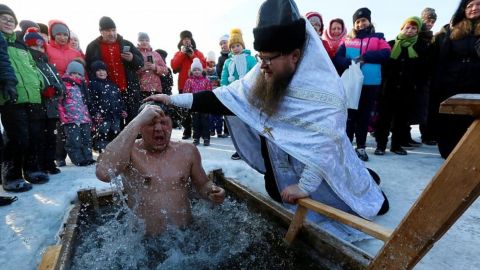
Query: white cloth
{"x": 183, "y": 100}
{"x": 310, "y": 126}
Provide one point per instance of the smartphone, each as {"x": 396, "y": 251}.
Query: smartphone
{"x": 126, "y": 49}
{"x": 150, "y": 58}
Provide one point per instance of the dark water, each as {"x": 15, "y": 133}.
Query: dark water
{"x": 226, "y": 236}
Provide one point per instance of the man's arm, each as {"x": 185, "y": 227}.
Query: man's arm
{"x": 205, "y": 187}
{"x": 116, "y": 157}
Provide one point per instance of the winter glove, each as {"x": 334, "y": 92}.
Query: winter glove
{"x": 49, "y": 92}
{"x": 10, "y": 93}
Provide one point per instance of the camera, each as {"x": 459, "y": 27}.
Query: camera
{"x": 188, "y": 49}
{"x": 150, "y": 59}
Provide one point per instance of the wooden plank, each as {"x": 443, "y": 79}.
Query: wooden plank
{"x": 452, "y": 190}
{"x": 296, "y": 224}
{"x": 50, "y": 258}
{"x": 356, "y": 222}
{"x": 464, "y": 104}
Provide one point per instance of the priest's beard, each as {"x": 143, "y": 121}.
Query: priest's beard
{"x": 268, "y": 95}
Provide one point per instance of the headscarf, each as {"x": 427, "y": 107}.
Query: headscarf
{"x": 335, "y": 42}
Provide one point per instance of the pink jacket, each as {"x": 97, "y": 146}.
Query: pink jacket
{"x": 150, "y": 79}
{"x": 60, "y": 55}
{"x": 197, "y": 84}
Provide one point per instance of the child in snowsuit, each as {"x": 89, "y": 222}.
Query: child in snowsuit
{"x": 106, "y": 106}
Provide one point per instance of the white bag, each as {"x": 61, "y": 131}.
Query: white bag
{"x": 352, "y": 80}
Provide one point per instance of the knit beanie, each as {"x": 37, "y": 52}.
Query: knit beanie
{"x": 317, "y": 15}
{"x": 414, "y": 19}
{"x": 224, "y": 38}
{"x": 60, "y": 28}
{"x": 97, "y": 65}
{"x": 362, "y": 13}
{"x": 143, "y": 36}
{"x": 196, "y": 64}
{"x": 33, "y": 38}
{"x": 235, "y": 37}
{"x": 43, "y": 28}
{"x": 4, "y": 9}
{"x": 25, "y": 24}
{"x": 211, "y": 56}
{"x": 106, "y": 23}
{"x": 75, "y": 66}
{"x": 429, "y": 13}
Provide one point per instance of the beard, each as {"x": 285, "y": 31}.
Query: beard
{"x": 268, "y": 95}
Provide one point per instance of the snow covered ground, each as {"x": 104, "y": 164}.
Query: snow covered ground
{"x": 32, "y": 223}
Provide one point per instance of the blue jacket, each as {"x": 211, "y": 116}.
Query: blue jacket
{"x": 7, "y": 74}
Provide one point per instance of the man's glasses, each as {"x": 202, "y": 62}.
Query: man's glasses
{"x": 4, "y": 19}
{"x": 266, "y": 60}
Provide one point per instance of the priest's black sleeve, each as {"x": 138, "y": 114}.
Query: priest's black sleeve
{"x": 207, "y": 102}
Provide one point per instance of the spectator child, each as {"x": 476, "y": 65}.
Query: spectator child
{"x": 47, "y": 113}
{"x": 195, "y": 83}
{"x": 216, "y": 120}
{"x": 106, "y": 106}
{"x": 369, "y": 48}
{"x": 74, "y": 116}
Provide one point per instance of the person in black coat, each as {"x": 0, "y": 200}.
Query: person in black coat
{"x": 106, "y": 106}
{"x": 457, "y": 69}
{"x": 119, "y": 55}
{"x": 403, "y": 76}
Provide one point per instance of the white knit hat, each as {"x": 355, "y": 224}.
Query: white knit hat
{"x": 211, "y": 56}
{"x": 224, "y": 38}
{"x": 196, "y": 64}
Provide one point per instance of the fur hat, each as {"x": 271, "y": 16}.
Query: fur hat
{"x": 97, "y": 65}
{"x": 362, "y": 13}
{"x": 186, "y": 34}
{"x": 33, "y": 38}
{"x": 58, "y": 28}
{"x": 429, "y": 13}
{"x": 280, "y": 27}
{"x": 106, "y": 23}
{"x": 236, "y": 37}
{"x": 211, "y": 56}
{"x": 143, "y": 36}
{"x": 223, "y": 38}
{"x": 25, "y": 24}
{"x": 4, "y": 9}
{"x": 416, "y": 20}
{"x": 75, "y": 66}
{"x": 314, "y": 14}
{"x": 196, "y": 64}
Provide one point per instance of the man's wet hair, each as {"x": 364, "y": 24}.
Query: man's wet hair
{"x": 168, "y": 110}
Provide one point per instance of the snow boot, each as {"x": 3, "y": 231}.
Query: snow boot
{"x": 37, "y": 177}
{"x": 17, "y": 185}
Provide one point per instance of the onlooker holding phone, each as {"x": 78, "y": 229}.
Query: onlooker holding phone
{"x": 122, "y": 59}
{"x": 153, "y": 69}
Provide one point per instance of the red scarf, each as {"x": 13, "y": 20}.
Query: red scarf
{"x": 116, "y": 71}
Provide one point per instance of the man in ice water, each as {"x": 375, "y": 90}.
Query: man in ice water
{"x": 156, "y": 171}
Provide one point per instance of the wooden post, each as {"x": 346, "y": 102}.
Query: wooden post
{"x": 89, "y": 199}
{"x": 50, "y": 258}
{"x": 296, "y": 224}
{"x": 452, "y": 190}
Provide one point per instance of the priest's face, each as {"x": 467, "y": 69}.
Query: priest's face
{"x": 271, "y": 86}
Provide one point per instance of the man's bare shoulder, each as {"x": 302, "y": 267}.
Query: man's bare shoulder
{"x": 183, "y": 147}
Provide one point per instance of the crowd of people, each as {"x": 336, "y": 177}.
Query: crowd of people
{"x": 56, "y": 100}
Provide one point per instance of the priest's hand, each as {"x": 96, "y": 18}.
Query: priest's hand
{"x": 292, "y": 193}
{"x": 165, "y": 99}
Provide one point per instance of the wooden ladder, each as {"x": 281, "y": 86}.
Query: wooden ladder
{"x": 448, "y": 195}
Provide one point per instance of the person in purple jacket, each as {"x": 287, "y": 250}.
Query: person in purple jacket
{"x": 369, "y": 48}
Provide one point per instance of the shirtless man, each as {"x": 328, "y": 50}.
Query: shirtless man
{"x": 156, "y": 171}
